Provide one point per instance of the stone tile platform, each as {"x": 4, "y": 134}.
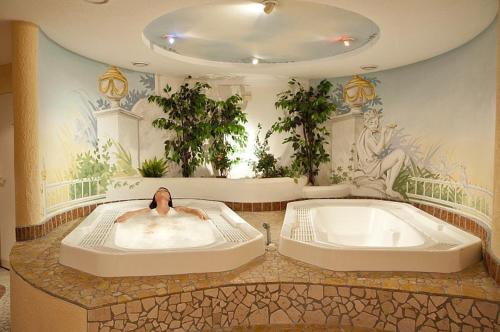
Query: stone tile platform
{"x": 271, "y": 290}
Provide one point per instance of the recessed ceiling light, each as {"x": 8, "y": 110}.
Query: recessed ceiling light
{"x": 369, "y": 67}
{"x": 170, "y": 38}
{"x": 140, "y": 63}
{"x": 255, "y": 61}
{"x": 346, "y": 40}
{"x": 97, "y": 2}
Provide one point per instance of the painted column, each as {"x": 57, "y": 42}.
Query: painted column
{"x": 25, "y": 104}
{"x": 495, "y": 242}
{"x": 122, "y": 128}
{"x": 345, "y": 130}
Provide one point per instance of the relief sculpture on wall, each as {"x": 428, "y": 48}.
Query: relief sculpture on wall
{"x": 376, "y": 166}
{"x": 391, "y": 162}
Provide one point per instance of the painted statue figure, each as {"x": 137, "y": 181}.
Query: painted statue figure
{"x": 377, "y": 170}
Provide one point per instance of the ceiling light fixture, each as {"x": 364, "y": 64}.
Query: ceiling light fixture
{"x": 170, "y": 39}
{"x": 369, "y": 67}
{"x": 97, "y": 2}
{"x": 255, "y": 61}
{"x": 269, "y": 6}
{"x": 140, "y": 63}
{"x": 346, "y": 40}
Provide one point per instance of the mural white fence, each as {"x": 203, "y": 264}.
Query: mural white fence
{"x": 63, "y": 194}
{"x": 470, "y": 199}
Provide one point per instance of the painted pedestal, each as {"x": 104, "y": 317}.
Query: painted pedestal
{"x": 122, "y": 128}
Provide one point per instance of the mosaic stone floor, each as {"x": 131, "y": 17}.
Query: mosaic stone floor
{"x": 37, "y": 262}
{"x": 297, "y": 328}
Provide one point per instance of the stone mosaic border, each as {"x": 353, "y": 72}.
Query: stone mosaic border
{"x": 292, "y": 303}
{"x": 492, "y": 264}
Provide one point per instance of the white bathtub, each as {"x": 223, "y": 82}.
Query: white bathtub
{"x": 176, "y": 245}
{"x": 373, "y": 235}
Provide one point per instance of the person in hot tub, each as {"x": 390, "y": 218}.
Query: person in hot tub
{"x": 161, "y": 205}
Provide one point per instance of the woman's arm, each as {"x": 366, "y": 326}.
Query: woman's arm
{"x": 127, "y": 215}
{"x": 378, "y": 147}
{"x": 388, "y": 134}
{"x": 200, "y": 214}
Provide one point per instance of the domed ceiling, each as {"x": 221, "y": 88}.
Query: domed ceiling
{"x": 299, "y": 38}
{"x": 240, "y": 31}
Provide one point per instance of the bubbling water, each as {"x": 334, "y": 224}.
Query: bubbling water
{"x": 160, "y": 232}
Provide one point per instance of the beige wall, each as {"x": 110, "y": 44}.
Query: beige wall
{"x": 7, "y": 203}
{"x": 495, "y": 243}
{"x": 35, "y": 311}
{"x": 7, "y": 191}
{"x": 5, "y": 79}
{"x": 26, "y": 138}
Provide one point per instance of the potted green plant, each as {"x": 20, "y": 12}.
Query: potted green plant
{"x": 227, "y": 133}
{"x": 186, "y": 115}
{"x": 306, "y": 111}
{"x": 153, "y": 168}
{"x": 266, "y": 164}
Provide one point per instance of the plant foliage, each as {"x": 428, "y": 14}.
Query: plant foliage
{"x": 153, "y": 168}
{"x": 266, "y": 165}
{"x": 227, "y": 133}
{"x": 306, "y": 110}
{"x": 186, "y": 115}
{"x": 123, "y": 161}
{"x": 95, "y": 165}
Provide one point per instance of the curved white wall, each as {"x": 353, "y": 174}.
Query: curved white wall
{"x": 226, "y": 190}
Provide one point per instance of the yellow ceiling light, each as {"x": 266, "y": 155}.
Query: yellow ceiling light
{"x": 269, "y": 5}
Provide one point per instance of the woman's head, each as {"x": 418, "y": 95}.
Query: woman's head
{"x": 161, "y": 197}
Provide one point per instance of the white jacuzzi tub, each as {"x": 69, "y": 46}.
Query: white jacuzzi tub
{"x": 179, "y": 244}
{"x": 373, "y": 235}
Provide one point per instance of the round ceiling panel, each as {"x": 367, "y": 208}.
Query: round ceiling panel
{"x": 298, "y": 38}
{"x": 242, "y": 32}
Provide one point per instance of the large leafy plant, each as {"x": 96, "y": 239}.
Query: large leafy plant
{"x": 266, "y": 165}
{"x": 186, "y": 115}
{"x": 227, "y": 133}
{"x": 306, "y": 110}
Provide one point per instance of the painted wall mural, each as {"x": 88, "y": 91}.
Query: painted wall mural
{"x": 79, "y": 158}
{"x": 420, "y": 132}
{"x": 428, "y": 132}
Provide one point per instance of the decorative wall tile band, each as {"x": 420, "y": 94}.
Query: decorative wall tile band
{"x": 26, "y": 233}
{"x": 294, "y": 303}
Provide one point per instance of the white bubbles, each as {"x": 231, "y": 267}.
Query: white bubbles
{"x": 160, "y": 232}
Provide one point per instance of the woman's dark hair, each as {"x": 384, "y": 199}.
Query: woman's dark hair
{"x": 153, "y": 203}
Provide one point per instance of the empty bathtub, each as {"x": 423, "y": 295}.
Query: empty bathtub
{"x": 143, "y": 246}
{"x": 374, "y": 235}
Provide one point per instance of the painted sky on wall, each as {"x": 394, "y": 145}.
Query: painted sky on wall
{"x": 447, "y": 101}
{"x": 67, "y": 94}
